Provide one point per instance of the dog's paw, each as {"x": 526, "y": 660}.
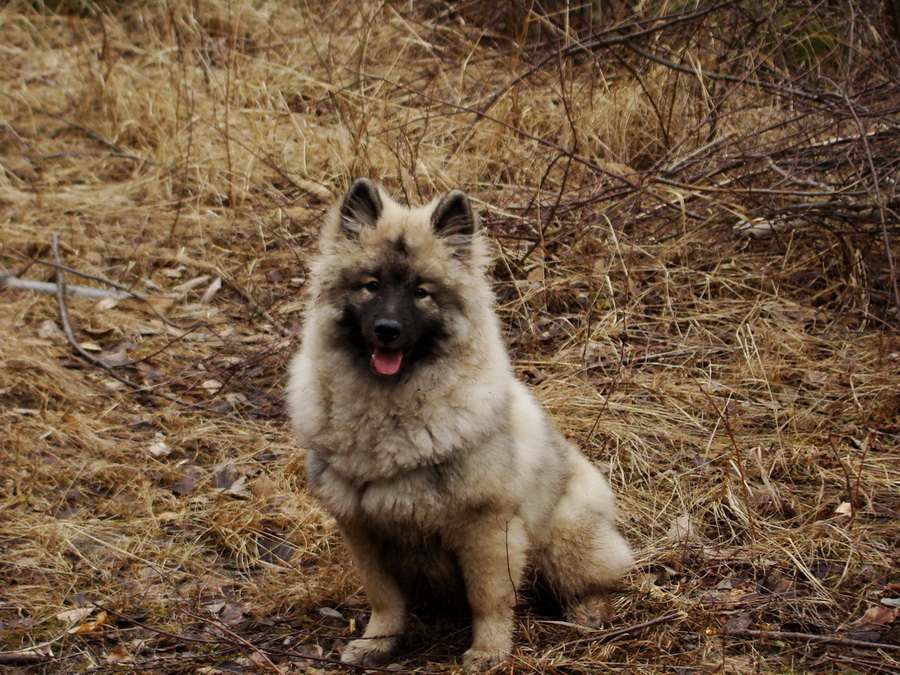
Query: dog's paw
{"x": 479, "y": 660}
{"x": 592, "y": 611}
{"x": 370, "y": 651}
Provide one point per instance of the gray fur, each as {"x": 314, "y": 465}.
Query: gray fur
{"x": 453, "y": 466}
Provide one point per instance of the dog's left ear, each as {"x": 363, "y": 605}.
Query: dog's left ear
{"x": 454, "y": 220}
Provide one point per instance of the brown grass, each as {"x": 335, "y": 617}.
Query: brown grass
{"x": 743, "y": 390}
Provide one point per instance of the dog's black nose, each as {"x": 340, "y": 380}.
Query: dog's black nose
{"x": 387, "y": 330}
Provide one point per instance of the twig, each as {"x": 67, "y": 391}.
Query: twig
{"x": 579, "y": 48}
{"x": 770, "y": 86}
{"x": 593, "y": 166}
{"x": 607, "y": 635}
{"x": 737, "y": 455}
{"x": 12, "y": 281}
{"x": 90, "y": 358}
{"x": 125, "y": 290}
{"x": 94, "y": 136}
{"x": 262, "y": 651}
{"x": 249, "y": 299}
{"x": 243, "y": 641}
{"x": 22, "y": 658}
{"x": 67, "y": 326}
{"x": 892, "y": 280}
{"x": 153, "y": 629}
{"x": 809, "y": 637}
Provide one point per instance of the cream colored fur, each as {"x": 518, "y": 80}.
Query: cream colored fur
{"x": 459, "y": 450}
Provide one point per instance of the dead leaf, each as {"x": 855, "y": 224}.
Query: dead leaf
{"x": 89, "y": 627}
{"x": 272, "y": 547}
{"x": 681, "y": 528}
{"x": 192, "y": 284}
{"x": 159, "y": 450}
{"x": 238, "y": 488}
{"x": 330, "y": 613}
{"x": 149, "y": 370}
{"x": 106, "y": 304}
{"x": 536, "y": 274}
{"x": 214, "y": 606}
{"x": 738, "y": 622}
{"x": 233, "y": 614}
{"x": 844, "y": 509}
{"x": 160, "y": 303}
{"x": 310, "y": 651}
{"x": 877, "y": 617}
{"x": 210, "y": 292}
{"x": 48, "y": 330}
{"x": 119, "y": 655}
{"x": 73, "y": 616}
{"x": 262, "y": 486}
{"x": 187, "y": 482}
{"x": 223, "y": 476}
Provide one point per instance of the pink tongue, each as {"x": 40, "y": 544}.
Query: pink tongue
{"x": 387, "y": 361}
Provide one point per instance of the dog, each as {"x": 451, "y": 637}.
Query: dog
{"x": 445, "y": 476}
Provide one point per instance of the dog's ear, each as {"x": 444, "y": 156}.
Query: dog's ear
{"x": 454, "y": 220}
{"x": 361, "y": 207}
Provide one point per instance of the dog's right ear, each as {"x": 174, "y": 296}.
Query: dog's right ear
{"x": 361, "y": 207}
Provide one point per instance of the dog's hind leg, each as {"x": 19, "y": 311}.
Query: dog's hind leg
{"x": 382, "y": 635}
{"x": 582, "y": 554}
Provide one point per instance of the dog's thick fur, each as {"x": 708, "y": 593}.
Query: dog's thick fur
{"x": 441, "y": 469}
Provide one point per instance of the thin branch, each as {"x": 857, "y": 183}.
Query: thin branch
{"x": 94, "y": 136}
{"x": 90, "y": 358}
{"x": 809, "y": 637}
{"x": 737, "y": 455}
{"x": 879, "y": 198}
{"x": 125, "y": 290}
{"x": 580, "y": 48}
{"x": 769, "y": 86}
{"x": 605, "y": 636}
{"x": 249, "y": 299}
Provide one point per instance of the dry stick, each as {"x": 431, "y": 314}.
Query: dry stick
{"x": 809, "y": 637}
{"x": 87, "y": 132}
{"x": 636, "y": 187}
{"x": 22, "y": 658}
{"x": 243, "y": 641}
{"x": 90, "y": 358}
{"x": 604, "y": 636}
{"x": 67, "y": 326}
{"x": 249, "y": 299}
{"x": 879, "y": 197}
{"x": 854, "y": 497}
{"x": 153, "y": 629}
{"x": 770, "y": 86}
{"x": 577, "y": 48}
{"x": 112, "y": 284}
{"x": 737, "y": 455}
{"x": 278, "y": 652}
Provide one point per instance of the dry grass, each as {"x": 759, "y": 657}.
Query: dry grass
{"x": 744, "y": 391}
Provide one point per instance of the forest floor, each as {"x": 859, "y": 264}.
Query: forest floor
{"x": 695, "y": 213}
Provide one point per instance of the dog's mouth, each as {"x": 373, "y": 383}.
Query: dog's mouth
{"x": 387, "y": 361}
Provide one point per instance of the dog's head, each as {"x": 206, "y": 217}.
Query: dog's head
{"x": 397, "y": 274}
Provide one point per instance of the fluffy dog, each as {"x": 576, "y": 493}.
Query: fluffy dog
{"x": 444, "y": 474}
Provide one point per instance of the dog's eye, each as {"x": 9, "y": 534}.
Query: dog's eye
{"x": 421, "y": 292}
{"x": 371, "y": 286}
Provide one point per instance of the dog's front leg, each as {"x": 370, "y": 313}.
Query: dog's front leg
{"x": 491, "y": 550}
{"x": 382, "y": 635}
